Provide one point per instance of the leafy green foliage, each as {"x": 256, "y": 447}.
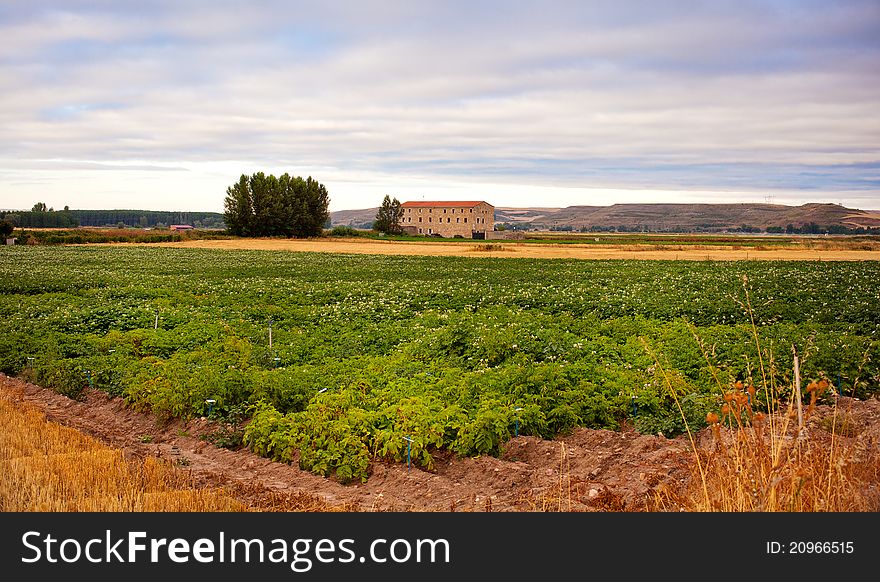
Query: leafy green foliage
{"x": 230, "y": 434}
{"x": 344, "y": 231}
{"x": 62, "y": 375}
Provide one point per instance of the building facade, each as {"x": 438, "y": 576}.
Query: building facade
{"x": 448, "y": 219}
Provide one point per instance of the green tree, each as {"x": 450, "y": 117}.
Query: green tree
{"x": 311, "y": 204}
{"x": 389, "y": 216}
{"x": 6, "y": 228}
{"x": 261, "y": 205}
{"x": 239, "y": 208}
{"x": 39, "y": 207}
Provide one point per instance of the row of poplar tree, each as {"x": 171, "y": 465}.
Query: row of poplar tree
{"x": 261, "y": 205}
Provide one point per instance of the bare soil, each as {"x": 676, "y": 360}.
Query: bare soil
{"x": 535, "y": 250}
{"x": 589, "y": 470}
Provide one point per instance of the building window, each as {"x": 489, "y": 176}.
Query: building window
{"x": 420, "y": 231}
{"x": 471, "y": 211}
{"x": 420, "y": 210}
{"x": 430, "y": 209}
{"x": 444, "y": 211}
{"x": 420, "y": 219}
{"x": 430, "y": 219}
{"x": 457, "y": 219}
{"x": 465, "y": 218}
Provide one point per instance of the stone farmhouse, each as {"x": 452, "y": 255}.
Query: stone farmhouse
{"x": 449, "y": 219}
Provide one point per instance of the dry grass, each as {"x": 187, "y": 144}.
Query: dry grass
{"x": 849, "y": 245}
{"x": 774, "y": 466}
{"x": 489, "y": 247}
{"x": 48, "y": 467}
{"x": 535, "y": 250}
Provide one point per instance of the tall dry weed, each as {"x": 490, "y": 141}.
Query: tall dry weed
{"x": 768, "y": 460}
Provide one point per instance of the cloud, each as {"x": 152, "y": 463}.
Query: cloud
{"x": 675, "y": 97}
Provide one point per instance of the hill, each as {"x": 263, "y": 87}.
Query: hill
{"x": 814, "y": 217}
{"x": 691, "y": 217}
{"x": 362, "y": 218}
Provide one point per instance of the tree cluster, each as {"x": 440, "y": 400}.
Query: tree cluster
{"x": 261, "y": 205}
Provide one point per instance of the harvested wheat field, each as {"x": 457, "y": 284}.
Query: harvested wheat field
{"x": 45, "y": 466}
{"x": 535, "y": 250}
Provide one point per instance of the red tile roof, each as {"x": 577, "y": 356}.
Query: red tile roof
{"x": 455, "y": 204}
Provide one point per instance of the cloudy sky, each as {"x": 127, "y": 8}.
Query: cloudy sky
{"x": 163, "y": 104}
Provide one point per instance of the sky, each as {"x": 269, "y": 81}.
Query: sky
{"x": 162, "y": 105}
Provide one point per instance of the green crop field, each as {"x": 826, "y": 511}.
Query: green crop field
{"x": 456, "y": 354}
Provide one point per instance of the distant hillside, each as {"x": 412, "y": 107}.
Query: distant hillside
{"x": 667, "y": 218}
{"x": 357, "y": 218}
{"x": 691, "y": 217}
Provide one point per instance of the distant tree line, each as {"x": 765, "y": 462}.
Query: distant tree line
{"x": 261, "y": 205}
{"x": 148, "y": 218}
{"x": 813, "y": 228}
{"x": 41, "y": 216}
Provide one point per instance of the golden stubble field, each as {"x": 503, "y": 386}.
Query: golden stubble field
{"x": 514, "y": 249}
